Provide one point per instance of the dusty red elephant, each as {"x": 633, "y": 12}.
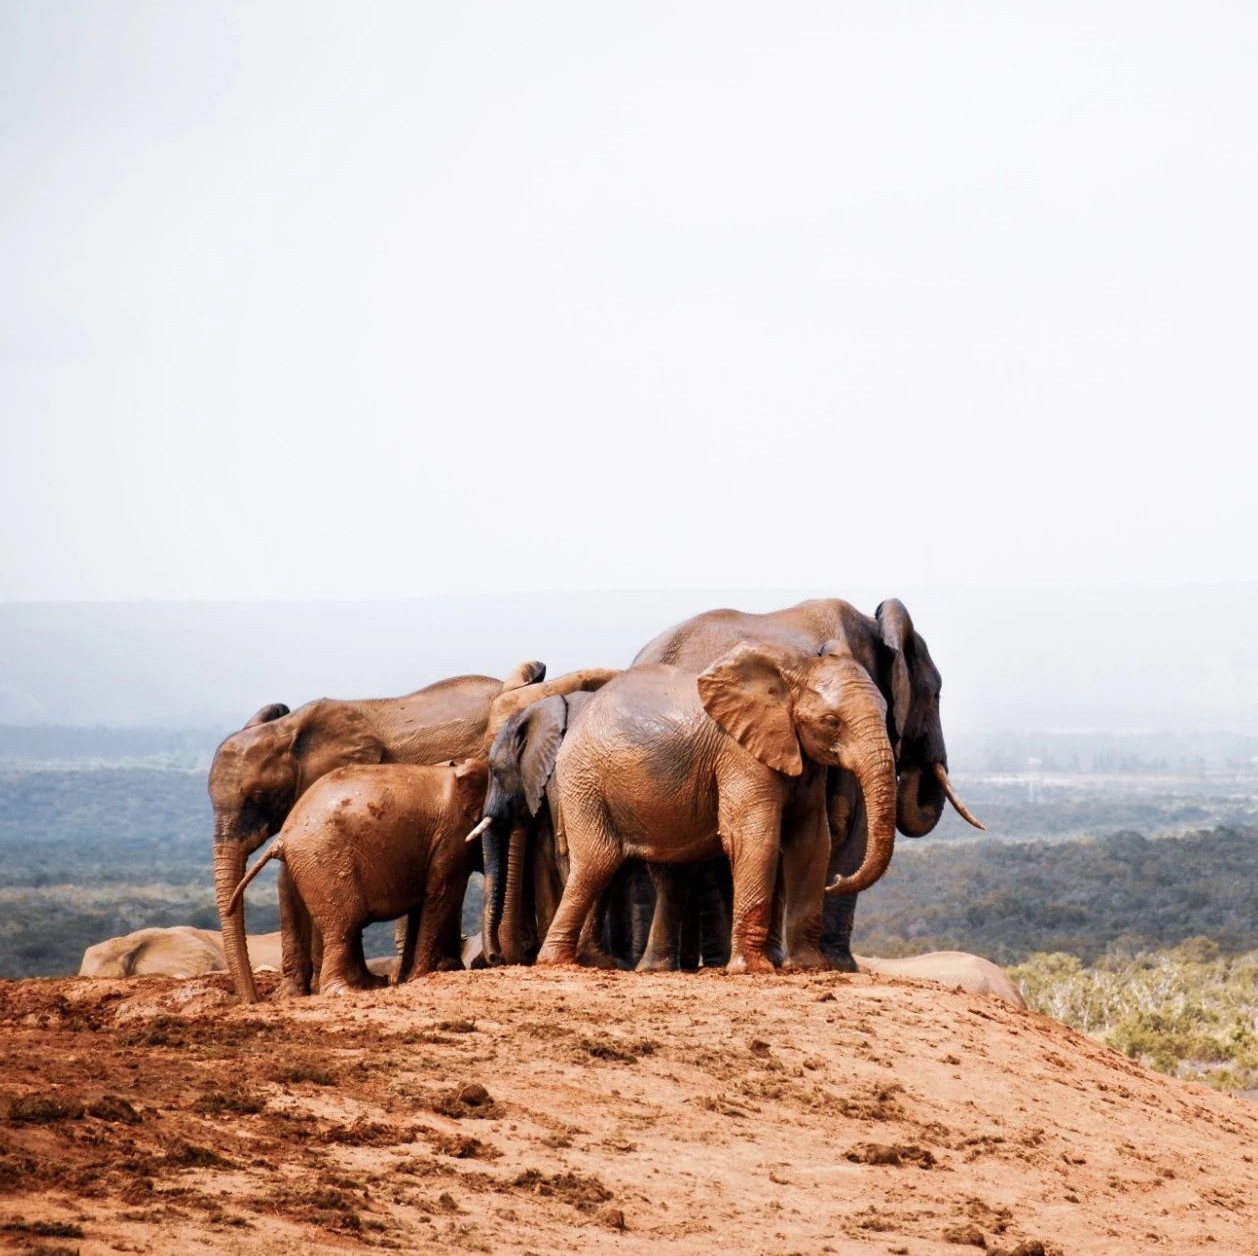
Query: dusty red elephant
{"x": 894, "y": 653}
{"x": 668, "y": 768}
{"x": 375, "y": 842}
{"x": 259, "y": 772}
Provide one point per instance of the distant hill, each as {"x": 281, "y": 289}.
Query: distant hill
{"x": 1172, "y": 660}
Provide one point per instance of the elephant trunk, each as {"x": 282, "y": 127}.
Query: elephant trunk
{"x": 919, "y": 801}
{"x": 493, "y": 851}
{"x": 229, "y": 870}
{"x": 509, "y": 936}
{"x": 874, "y": 768}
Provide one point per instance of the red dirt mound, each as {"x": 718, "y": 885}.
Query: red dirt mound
{"x": 541, "y": 1111}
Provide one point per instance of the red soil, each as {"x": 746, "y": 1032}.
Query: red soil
{"x": 541, "y": 1111}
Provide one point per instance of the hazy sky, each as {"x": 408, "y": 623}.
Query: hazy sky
{"x": 347, "y": 300}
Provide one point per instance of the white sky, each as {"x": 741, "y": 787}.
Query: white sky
{"x": 315, "y": 300}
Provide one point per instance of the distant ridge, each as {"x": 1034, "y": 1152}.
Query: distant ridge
{"x": 1180, "y": 659}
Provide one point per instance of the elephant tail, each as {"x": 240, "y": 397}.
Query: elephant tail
{"x": 274, "y": 851}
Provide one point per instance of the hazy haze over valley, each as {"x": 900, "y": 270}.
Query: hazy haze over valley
{"x": 1181, "y": 660}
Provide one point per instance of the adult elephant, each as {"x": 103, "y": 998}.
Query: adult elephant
{"x": 259, "y": 772}
{"x": 894, "y": 653}
{"x": 672, "y": 768}
{"x": 518, "y": 816}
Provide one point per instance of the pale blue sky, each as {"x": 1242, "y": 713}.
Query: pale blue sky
{"x": 337, "y": 300}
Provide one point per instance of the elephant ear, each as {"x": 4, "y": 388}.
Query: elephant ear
{"x": 471, "y": 779}
{"x": 331, "y": 736}
{"x": 747, "y": 692}
{"x": 527, "y": 673}
{"x": 264, "y": 715}
{"x": 896, "y": 629}
{"x": 543, "y": 728}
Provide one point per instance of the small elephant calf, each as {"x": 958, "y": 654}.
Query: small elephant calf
{"x": 375, "y": 842}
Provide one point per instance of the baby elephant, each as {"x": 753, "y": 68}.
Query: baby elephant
{"x": 375, "y": 842}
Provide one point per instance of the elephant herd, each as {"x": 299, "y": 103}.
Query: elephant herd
{"x": 722, "y": 800}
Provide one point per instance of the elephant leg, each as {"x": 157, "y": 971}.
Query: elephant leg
{"x": 591, "y": 949}
{"x": 296, "y": 927}
{"x": 714, "y": 891}
{"x": 361, "y": 977}
{"x": 547, "y": 883}
{"x": 442, "y": 905}
{"x": 837, "y": 916}
{"x": 754, "y": 838}
{"x": 775, "y": 947}
{"x": 587, "y": 883}
{"x": 404, "y": 937}
{"x": 663, "y": 946}
{"x": 316, "y": 954}
{"x": 511, "y": 927}
{"x": 805, "y": 855}
{"x": 450, "y": 937}
{"x": 615, "y": 914}
{"x": 338, "y": 970}
{"x": 530, "y": 939}
{"x": 838, "y": 911}
{"x": 594, "y": 854}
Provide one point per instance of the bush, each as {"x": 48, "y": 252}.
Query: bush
{"x": 1190, "y": 1011}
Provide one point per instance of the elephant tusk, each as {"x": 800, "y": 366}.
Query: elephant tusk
{"x": 483, "y": 825}
{"x": 962, "y": 810}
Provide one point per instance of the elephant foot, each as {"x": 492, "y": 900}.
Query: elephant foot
{"x": 755, "y": 962}
{"x": 335, "y": 988}
{"x": 449, "y": 964}
{"x": 593, "y": 957}
{"x": 650, "y": 963}
{"x": 839, "y": 959}
{"x": 290, "y": 988}
{"x": 556, "y": 957}
{"x": 805, "y": 959}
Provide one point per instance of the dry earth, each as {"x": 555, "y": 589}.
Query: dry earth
{"x": 543, "y": 1111}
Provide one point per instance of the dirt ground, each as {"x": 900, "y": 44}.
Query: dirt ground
{"x": 536, "y": 1111}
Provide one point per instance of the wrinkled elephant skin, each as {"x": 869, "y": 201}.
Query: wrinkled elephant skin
{"x": 745, "y": 745}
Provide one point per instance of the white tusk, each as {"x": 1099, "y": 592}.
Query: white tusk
{"x": 479, "y": 829}
{"x": 962, "y": 810}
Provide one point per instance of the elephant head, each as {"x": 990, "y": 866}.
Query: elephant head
{"x": 912, "y": 681}
{"x": 256, "y": 776}
{"x": 521, "y": 760}
{"x": 786, "y": 707}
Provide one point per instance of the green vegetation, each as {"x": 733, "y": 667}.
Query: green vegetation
{"x": 92, "y": 854}
{"x": 1191, "y": 1011}
{"x": 1009, "y": 900}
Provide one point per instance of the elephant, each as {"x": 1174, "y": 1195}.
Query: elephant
{"x": 672, "y": 768}
{"x": 259, "y": 772}
{"x": 521, "y": 763}
{"x": 891, "y": 650}
{"x": 375, "y": 842}
{"x": 176, "y": 951}
{"x": 958, "y": 969}
{"x": 516, "y": 815}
